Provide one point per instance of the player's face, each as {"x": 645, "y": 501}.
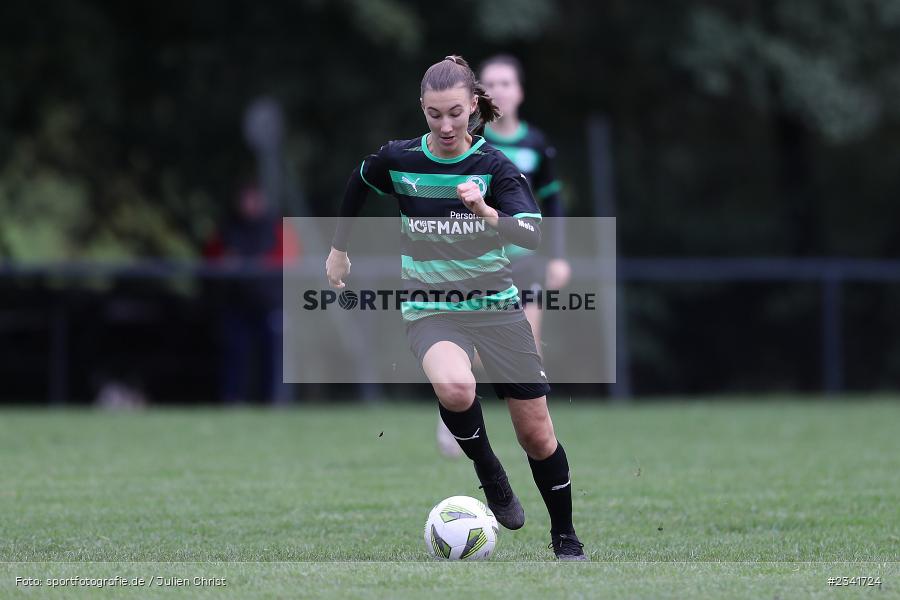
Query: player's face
{"x": 447, "y": 113}
{"x": 502, "y": 83}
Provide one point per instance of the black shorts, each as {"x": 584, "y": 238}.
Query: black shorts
{"x": 507, "y": 351}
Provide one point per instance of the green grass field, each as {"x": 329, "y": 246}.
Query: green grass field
{"x": 716, "y": 499}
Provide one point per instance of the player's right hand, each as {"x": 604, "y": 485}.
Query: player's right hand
{"x": 337, "y": 267}
{"x": 471, "y": 197}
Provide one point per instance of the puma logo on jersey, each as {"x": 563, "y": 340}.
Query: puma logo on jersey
{"x": 411, "y": 183}
{"x": 544, "y": 375}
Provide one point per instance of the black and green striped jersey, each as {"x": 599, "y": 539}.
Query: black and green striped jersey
{"x": 531, "y": 152}
{"x": 454, "y": 258}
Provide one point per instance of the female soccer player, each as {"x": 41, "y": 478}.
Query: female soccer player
{"x": 450, "y": 175}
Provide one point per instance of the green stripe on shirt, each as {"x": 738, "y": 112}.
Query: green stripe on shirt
{"x": 436, "y": 185}
{"x": 440, "y": 271}
{"x": 498, "y": 301}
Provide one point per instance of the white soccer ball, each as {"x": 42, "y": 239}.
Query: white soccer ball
{"x": 461, "y": 528}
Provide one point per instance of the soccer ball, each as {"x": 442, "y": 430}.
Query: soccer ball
{"x": 461, "y": 528}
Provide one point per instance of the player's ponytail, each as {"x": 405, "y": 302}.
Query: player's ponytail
{"x": 487, "y": 110}
{"x": 449, "y": 73}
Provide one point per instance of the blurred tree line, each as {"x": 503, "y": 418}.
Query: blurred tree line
{"x": 739, "y": 128}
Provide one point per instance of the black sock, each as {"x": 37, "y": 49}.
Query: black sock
{"x": 552, "y": 478}
{"x": 468, "y": 429}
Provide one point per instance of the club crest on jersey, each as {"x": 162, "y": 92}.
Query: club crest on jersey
{"x": 479, "y": 181}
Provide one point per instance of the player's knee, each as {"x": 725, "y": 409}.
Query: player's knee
{"x": 455, "y": 396}
{"x": 539, "y": 442}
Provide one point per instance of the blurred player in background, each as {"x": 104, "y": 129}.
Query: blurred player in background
{"x": 528, "y": 149}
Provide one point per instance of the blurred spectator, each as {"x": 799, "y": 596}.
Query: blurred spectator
{"x": 256, "y": 245}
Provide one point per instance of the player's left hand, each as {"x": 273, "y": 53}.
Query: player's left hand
{"x": 559, "y": 272}
{"x": 470, "y": 195}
